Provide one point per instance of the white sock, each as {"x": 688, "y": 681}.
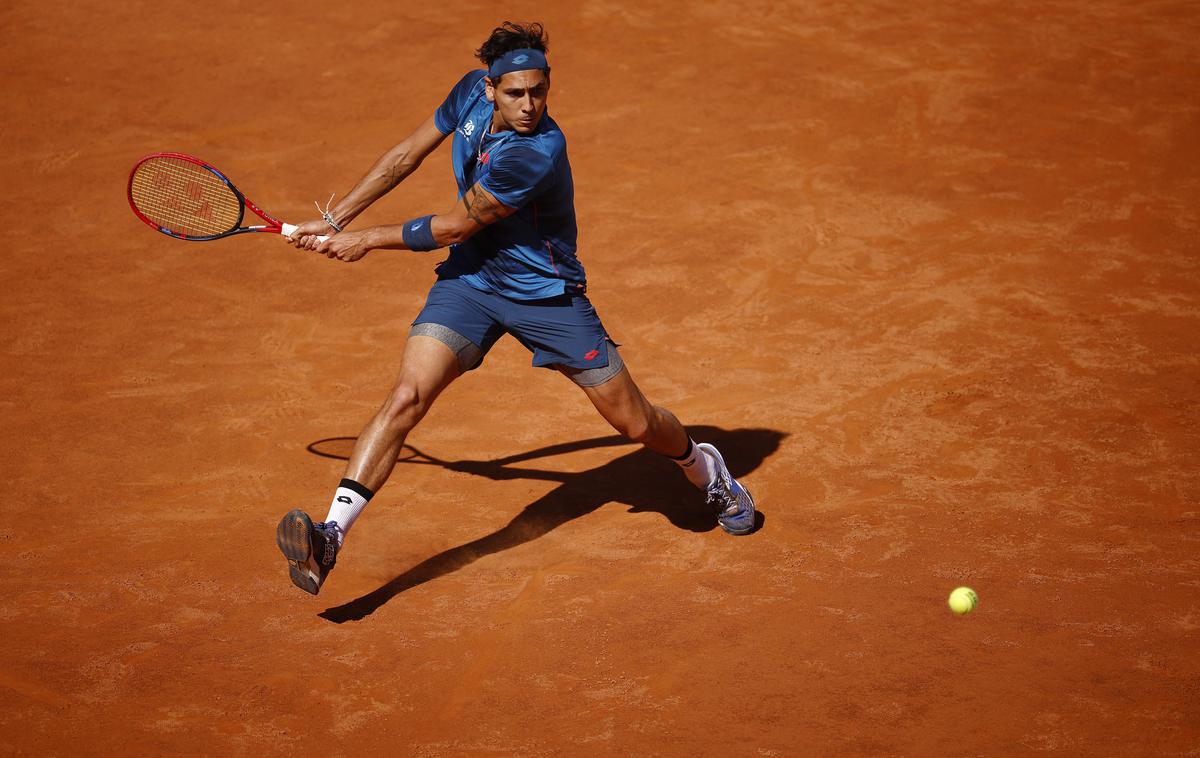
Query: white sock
{"x": 348, "y": 503}
{"x": 698, "y": 466}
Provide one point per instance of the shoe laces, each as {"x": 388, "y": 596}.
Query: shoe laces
{"x": 720, "y": 496}
{"x": 330, "y": 531}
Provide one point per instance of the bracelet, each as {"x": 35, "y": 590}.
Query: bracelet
{"x": 418, "y": 234}
{"x": 329, "y": 220}
{"x": 325, "y": 214}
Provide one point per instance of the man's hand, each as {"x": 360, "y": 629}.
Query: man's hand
{"x": 305, "y": 236}
{"x": 346, "y": 246}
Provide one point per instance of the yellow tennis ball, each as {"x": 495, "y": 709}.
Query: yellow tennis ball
{"x": 963, "y": 600}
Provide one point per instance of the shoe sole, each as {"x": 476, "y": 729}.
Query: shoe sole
{"x": 720, "y": 459}
{"x": 294, "y": 538}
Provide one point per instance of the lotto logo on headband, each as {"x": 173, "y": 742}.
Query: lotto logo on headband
{"x": 525, "y": 59}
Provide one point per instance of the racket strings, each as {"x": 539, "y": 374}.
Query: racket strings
{"x": 184, "y": 197}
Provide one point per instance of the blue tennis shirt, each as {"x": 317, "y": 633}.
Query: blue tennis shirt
{"x": 531, "y": 254}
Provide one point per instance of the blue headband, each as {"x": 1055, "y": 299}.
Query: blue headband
{"x": 524, "y": 59}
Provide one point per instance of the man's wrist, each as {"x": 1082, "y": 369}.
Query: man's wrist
{"x": 418, "y": 234}
{"x": 332, "y": 222}
{"x": 372, "y": 238}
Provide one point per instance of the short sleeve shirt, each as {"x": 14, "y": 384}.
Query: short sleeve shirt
{"x": 531, "y": 254}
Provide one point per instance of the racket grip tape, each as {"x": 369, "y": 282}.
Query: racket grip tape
{"x": 287, "y": 229}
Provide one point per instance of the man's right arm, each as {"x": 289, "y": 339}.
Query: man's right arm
{"x": 391, "y": 169}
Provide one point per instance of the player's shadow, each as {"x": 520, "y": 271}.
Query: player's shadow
{"x": 640, "y": 479}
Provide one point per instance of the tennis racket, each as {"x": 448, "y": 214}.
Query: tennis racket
{"x": 186, "y": 198}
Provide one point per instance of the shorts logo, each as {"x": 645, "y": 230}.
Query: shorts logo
{"x": 521, "y": 58}
{"x": 591, "y": 356}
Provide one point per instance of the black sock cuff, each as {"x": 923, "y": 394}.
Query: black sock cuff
{"x": 686, "y": 453}
{"x": 354, "y": 486}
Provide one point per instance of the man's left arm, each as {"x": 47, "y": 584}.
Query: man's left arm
{"x": 478, "y": 208}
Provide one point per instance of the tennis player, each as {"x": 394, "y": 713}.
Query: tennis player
{"x": 512, "y": 269}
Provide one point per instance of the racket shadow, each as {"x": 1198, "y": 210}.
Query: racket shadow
{"x": 640, "y": 479}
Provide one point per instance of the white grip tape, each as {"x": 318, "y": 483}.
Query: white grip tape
{"x": 287, "y": 229}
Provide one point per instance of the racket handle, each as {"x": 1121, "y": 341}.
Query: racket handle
{"x": 287, "y": 229}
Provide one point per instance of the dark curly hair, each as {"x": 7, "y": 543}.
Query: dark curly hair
{"x": 510, "y": 36}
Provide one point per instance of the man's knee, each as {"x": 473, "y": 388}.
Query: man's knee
{"x": 637, "y": 426}
{"x": 404, "y": 407}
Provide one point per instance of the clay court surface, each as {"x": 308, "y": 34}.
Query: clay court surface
{"x": 927, "y": 273}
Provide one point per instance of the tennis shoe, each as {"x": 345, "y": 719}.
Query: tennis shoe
{"x": 731, "y": 501}
{"x": 311, "y": 549}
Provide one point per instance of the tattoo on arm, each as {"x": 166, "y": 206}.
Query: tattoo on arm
{"x": 393, "y": 176}
{"x": 480, "y": 208}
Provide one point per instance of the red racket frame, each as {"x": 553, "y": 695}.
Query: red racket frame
{"x": 274, "y": 225}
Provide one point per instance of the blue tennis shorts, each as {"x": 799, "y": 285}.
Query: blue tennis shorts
{"x": 562, "y": 332}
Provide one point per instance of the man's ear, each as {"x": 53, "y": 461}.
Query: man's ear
{"x": 489, "y": 90}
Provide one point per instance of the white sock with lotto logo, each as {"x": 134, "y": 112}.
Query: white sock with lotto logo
{"x": 348, "y": 503}
{"x": 698, "y": 466}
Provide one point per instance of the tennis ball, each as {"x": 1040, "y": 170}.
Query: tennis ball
{"x": 963, "y": 600}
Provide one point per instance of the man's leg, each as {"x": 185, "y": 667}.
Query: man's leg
{"x": 428, "y": 367}
{"x": 623, "y": 405}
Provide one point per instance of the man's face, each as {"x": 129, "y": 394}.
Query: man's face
{"x": 520, "y": 99}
